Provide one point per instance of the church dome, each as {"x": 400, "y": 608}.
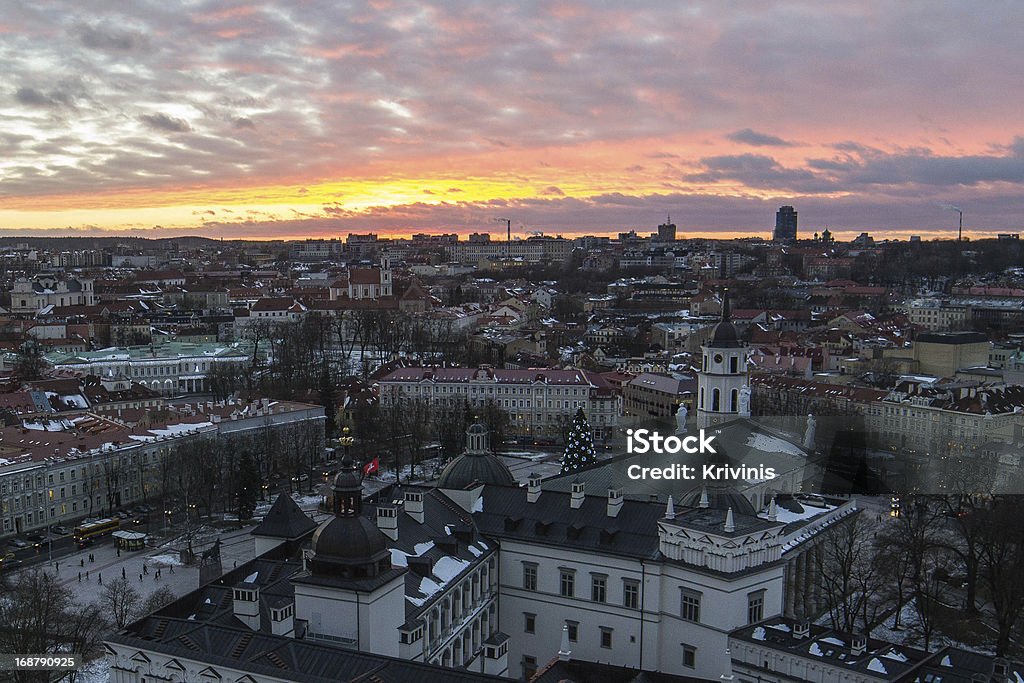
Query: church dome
{"x": 349, "y": 545}
{"x": 480, "y": 468}
{"x": 346, "y": 542}
{"x": 719, "y": 498}
{"x": 477, "y": 465}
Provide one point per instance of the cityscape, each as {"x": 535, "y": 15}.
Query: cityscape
{"x": 413, "y": 342}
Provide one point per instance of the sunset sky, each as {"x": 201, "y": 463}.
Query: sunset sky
{"x": 301, "y": 119}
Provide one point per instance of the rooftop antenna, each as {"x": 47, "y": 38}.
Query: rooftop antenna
{"x": 508, "y": 227}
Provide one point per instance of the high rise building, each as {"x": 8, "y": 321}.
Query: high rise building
{"x": 785, "y": 225}
{"x": 667, "y": 231}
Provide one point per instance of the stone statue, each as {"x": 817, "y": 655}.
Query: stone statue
{"x": 745, "y": 401}
{"x": 812, "y": 424}
{"x": 681, "y": 419}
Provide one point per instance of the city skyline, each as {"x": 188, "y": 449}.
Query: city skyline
{"x": 257, "y": 120}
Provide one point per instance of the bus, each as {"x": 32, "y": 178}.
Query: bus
{"x": 85, "y": 533}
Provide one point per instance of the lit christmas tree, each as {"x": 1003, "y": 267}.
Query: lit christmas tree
{"x": 579, "y": 446}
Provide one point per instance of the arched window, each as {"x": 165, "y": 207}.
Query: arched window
{"x": 715, "y": 400}
{"x": 734, "y": 400}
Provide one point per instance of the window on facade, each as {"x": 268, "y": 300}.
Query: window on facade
{"x": 733, "y": 401}
{"x": 530, "y": 576}
{"x": 690, "y": 609}
{"x": 529, "y": 666}
{"x": 689, "y": 656}
{"x": 755, "y": 607}
{"x": 630, "y": 593}
{"x": 574, "y": 630}
{"x": 529, "y": 623}
{"x": 599, "y": 588}
{"x": 734, "y": 365}
{"x": 606, "y": 637}
{"x": 567, "y": 583}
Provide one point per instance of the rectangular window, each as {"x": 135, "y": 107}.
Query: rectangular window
{"x": 567, "y": 583}
{"x": 574, "y": 630}
{"x": 690, "y": 609}
{"x": 529, "y": 623}
{"x": 630, "y": 593}
{"x": 755, "y": 607}
{"x": 529, "y": 576}
{"x": 689, "y": 656}
{"x": 599, "y": 588}
{"x": 529, "y": 666}
{"x": 606, "y": 637}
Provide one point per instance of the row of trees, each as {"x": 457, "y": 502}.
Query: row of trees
{"x": 39, "y": 615}
{"x": 941, "y": 555}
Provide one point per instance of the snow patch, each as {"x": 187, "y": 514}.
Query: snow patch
{"x": 896, "y": 656}
{"x": 876, "y": 665}
{"x": 166, "y": 560}
{"x": 833, "y": 641}
{"x": 478, "y": 506}
{"x": 946, "y": 662}
{"x": 815, "y": 650}
{"x": 758, "y": 634}
{"x": 251, "y": 578}
{"x": 780, "y": 627}
{"x": 772, "y": 444}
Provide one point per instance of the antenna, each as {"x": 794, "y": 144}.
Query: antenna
{"x": 960, "y": 232}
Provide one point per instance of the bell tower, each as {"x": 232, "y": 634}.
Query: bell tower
{"x": 722, "y": 379}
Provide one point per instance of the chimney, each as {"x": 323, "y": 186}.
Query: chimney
{"x": 670, "y": 508}
{"x": 727, "y": 676}
{"x": 246, "y": 604}
{"x": 730, "y": 523}
{"x": 564, "y": 653}
{"x": 533, "y": 488}
{"x": 576, "y": 500}
{"x": 614, "y": 501}
{"x": 801, "y": 629}
{"x": 414, "y": 505}
{"x": 859, "y": 645}
{"x": 387, "y": 521}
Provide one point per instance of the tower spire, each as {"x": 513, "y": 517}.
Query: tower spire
{"x": 726, "y": 312}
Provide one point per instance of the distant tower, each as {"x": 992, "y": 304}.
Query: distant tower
{"x": 785, "y": 225}
{"x": 385, "y": 276}
{"x": 723, "y": 373}
{"x": 667, "y": 231}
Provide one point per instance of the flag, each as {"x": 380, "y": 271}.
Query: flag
{"x": 371, "y": 467}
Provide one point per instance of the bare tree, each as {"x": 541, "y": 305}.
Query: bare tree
{"x": 121, "y": 601}
{"x": 849, "y": 579}
{"x": 1003, "y": 565}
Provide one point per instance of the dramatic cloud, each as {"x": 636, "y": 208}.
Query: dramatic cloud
{"x": 118, "y": 116}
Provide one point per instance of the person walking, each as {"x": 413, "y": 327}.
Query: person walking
{"x": 81, "y": 562}
{"x": 101, "y": 579}
{"x": 86, "y": 573}
{"x": 79, "y": 577}
{"x": 145, "y": 569}
{"x": 140, "y": 578}
{"x": 123, "y": 573}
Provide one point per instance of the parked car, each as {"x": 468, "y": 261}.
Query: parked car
{"x": 36, "y": 540}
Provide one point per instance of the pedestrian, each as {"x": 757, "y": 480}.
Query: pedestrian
{"x": 87, "y": 573}
{"x": 172, "y": 568}
{"x": 57, "y": 565}
{"x": 140, "y": 578}
{"x": 235, "y": 566}
{"x": 81, "y": 562}
{"x": 101, "y": 578}
{"x": 145, "y": 569}
{"x": 79, "y": 577}
{"x": 119, "y": 552}
{"x": 123, "y": 573}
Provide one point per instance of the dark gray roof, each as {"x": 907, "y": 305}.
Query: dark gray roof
{"x": 302, "y": 661}
{"x": 551, "y": 521}
{"x": 577, "y": 671}
{"x": 284, "y": 520}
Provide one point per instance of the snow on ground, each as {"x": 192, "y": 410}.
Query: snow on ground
{"x": 772, "y": 444}
{"x": 166, "y": 560}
